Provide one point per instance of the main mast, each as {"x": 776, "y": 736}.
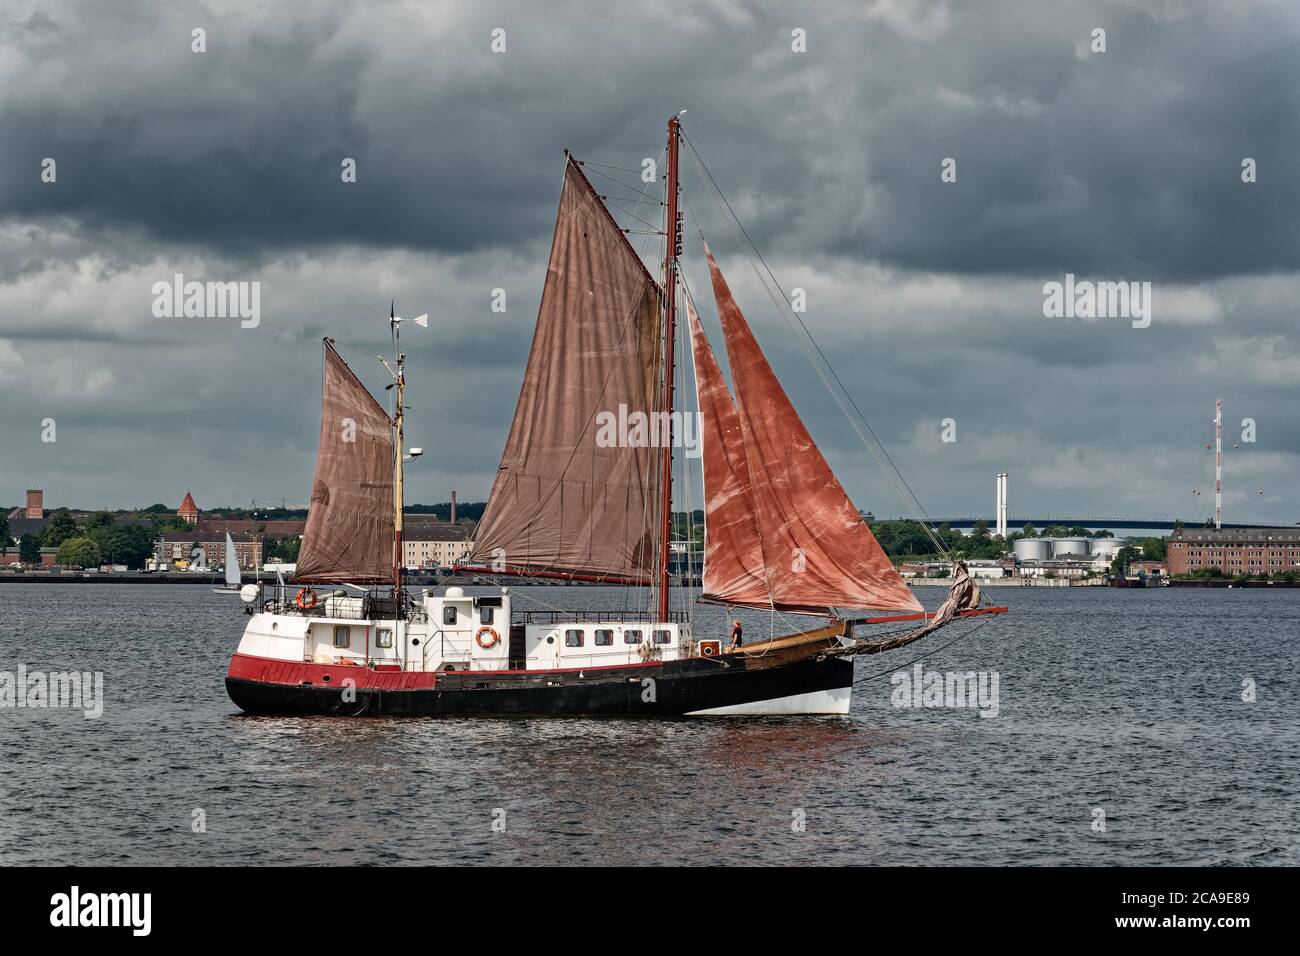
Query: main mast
{"x": 398, "y": 493}
{"x": 672, "y": 249}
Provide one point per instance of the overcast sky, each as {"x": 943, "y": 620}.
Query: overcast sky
{"x": 928, "y": 296}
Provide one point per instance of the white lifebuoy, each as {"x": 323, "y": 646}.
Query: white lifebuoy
{"x": 492, "y": 637}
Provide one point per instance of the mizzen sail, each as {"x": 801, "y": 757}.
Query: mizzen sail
{"x": 817, "y": 552}
{"x": 733, "y": 549}
{"x": 572, "y": 494}
{"x": 349, "y": 533}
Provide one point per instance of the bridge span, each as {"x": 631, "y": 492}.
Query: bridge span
{"x": 1093, "y": 524}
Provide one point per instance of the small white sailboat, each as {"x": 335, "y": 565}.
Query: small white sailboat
{"x": 232, "y": 569}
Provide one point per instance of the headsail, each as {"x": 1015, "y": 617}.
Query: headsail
{"x": 232, "y": 563}
{"x": 572, "y": 494}
{"x": 817, "y": 552}
{"x": 349, "y": 533}
{"x": 733, "y": 549}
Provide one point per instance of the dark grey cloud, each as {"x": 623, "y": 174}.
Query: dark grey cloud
{"x": 927, "y": 295}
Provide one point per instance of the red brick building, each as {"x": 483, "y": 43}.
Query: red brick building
{"x": 1234, "y": 551}
{"x": 176, "y": 546}
{"x": 188, "y": 510}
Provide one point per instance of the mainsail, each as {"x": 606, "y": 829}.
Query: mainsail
{"x": 349, "y": 533}
{"x": 817, "y": 552}
{"x": 570, "y": 496}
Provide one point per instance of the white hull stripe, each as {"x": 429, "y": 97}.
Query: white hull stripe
{"x": 834, "y": 701}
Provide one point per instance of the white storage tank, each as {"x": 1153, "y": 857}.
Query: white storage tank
{"x": 1071, "y": 547}
{"x": 1032, "y": 549}
{"x": 1109, "y": 547}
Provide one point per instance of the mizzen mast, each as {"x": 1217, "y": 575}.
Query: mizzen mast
{"x": 672, "y": 249}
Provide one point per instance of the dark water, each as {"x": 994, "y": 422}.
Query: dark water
{"x": 1122, "y": 700}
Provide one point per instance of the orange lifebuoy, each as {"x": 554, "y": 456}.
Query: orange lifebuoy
{"x": 492, "y": 638}
{"x": 306, "y": 599}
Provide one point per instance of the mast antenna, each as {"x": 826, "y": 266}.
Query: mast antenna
{"x": 1218, "y": 463}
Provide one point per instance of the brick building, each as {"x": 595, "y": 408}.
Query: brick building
{"x": 435, "y": 544}
{"x": 176, "y": 546}
{"x": 1234, "y": 550}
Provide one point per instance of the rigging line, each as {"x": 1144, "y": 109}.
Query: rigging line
{"x": 897, "y": 667}
{"x": 913, "y": 504}
{"x": 640, "y": 200}
{"x": 614, "y": 179}
{"x": 733, "y": 224}
{"x": 625, "y": 169}
{"x": 634, "y": 215}
{"x": 729, "y": 216}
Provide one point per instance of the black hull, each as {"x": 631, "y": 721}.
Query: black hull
{"x": 670, "y": 689}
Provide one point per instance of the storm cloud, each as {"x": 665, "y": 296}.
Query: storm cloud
{"x": 225, "y": 165}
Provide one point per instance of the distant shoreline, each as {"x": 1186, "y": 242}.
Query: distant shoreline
{"x": 155, "y": 577}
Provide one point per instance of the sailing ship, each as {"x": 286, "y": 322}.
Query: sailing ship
{"x": 232, "y": 585}
{"x": 347, "y": 637}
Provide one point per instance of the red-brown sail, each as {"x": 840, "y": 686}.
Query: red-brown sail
{"x": 349, "y": 533}
{"x": 733, "y": 550}
{"x": 817, "y": 551}
{"x": 570, "y": 494}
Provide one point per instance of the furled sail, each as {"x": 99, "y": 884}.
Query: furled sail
{"x": 733, "y": 549}
{"x": 577, "y": 489}
{"x": 349, "y": 533}
{"x": 817, "y": 551}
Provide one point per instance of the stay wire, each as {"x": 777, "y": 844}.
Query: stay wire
{"x": 893, "y": 471}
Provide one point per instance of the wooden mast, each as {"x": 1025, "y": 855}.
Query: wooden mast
{"x": 398, "y": 491}
{"x": 398, "y": 371}
{"x": 672, "y": 249}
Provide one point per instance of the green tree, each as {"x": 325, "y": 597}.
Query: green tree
{"x": 1154, "y": 549}
{"x": 79, "y": 552}
{"x": 4, "y": 529}
{"x": 29, "y": 549}
{"x": 128, "y": 544}
{"x": 1125, "y": 556}
{"x": 1029, "y": 531}
{"x": 59, "y": 529}
{"x": 100, "y": 519}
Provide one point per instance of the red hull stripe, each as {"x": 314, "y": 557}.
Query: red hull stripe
{"x": 268, "y": 671}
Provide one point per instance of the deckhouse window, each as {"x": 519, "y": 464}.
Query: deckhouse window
{"x": 573, "y": 638}
{"x": 384, "y": 637}
{"x": 604, "y": 638}
{"x": 631, "y": 637}
{"x": 663, "y": 637}
{"x": 486, "y": 615}
{"x": 342, "y": 636}
{"x": 448, "y": 614}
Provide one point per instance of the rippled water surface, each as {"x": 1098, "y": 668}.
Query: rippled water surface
{"x": 1128, "y": 701}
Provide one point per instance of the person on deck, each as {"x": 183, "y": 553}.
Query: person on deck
{"x": 735, "y": 636}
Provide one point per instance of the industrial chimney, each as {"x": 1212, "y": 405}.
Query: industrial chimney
{"x": 453, "y": 507}
{"x": 1000, "y": 504}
